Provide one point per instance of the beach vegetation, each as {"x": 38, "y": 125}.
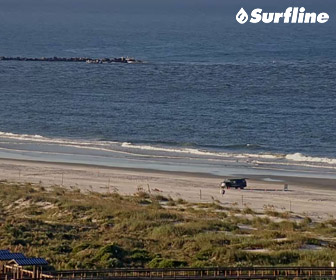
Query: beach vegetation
{"x": 74, "y": 229}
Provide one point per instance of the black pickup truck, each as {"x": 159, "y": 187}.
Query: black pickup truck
{"x": 234, "y": 183}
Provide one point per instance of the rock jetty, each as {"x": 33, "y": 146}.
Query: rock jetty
{"x": 73, "y": 59}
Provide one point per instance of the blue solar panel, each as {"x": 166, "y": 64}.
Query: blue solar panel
{"x": 31, "y": 261}
{"x": 11, "y": 256}
{"x": 20, "y": 259}
{"x": 4, "y": 252}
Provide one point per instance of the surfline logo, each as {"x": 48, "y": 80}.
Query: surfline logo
{"x": 291, "y": 15}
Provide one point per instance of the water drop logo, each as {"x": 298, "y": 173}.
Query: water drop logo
{"x": 242, "y": 16}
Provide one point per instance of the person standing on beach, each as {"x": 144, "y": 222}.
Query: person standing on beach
{"x": 222, "y": 188}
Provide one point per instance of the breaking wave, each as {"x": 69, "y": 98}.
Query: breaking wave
{"x": 168, "y": 151}
{"x": 39, "y": 138}
{"x": 296, "y": 157}
{"x": 302, "y": 158}
{"x": 20, "y": 136}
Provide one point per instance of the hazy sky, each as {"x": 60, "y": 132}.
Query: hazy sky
{"x": 27, "y": 24}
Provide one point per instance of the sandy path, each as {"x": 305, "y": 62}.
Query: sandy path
{"x": 318, "y": 202}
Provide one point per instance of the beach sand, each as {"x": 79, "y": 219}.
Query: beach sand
{"x": 312, "y": 197}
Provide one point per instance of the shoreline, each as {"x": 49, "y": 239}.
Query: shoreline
{"x": 316, "y": 198}
{"x": 165, "y": 158}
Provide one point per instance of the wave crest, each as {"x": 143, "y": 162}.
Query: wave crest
{"x": 167, "y": 151}
{"x": 302, "y": 158}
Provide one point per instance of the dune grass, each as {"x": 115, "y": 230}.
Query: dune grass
{"x": 93, "y": 230}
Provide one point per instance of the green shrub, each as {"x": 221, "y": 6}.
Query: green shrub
{"x": 159, "y": 262}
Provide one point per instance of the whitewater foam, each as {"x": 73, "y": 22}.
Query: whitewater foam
{"x": 39, "y": 138}
{"x": 302, "y": 158}
{"x": 155, "y": 151}
{"x": 20, "y": 136}
{"x": 189, "y": 151}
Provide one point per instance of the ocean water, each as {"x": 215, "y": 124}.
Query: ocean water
{"x": 211, "y": 95}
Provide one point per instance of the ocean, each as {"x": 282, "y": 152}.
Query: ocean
{"x": 211, "y": 96}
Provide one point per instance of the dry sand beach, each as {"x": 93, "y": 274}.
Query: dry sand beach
{"x": 312, "y": 197}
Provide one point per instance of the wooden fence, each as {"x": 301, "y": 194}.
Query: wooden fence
{"x": 180, "y": 274}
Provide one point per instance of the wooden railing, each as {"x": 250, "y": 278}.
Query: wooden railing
{"x": 181, "y": 274}
{"x": 199, "y": 273}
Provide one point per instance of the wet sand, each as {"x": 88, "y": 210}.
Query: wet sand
{"x": 305, "y": 196}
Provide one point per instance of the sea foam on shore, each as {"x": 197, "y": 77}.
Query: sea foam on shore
{"x": 121, "y": 154}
